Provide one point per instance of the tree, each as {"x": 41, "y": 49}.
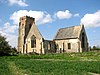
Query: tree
{"x": 94, "y": 47}
{"x": 5, "y": 48}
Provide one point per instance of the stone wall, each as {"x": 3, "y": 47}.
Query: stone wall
{"x": 62, "y": 45}
{"x": 27, "y": 29}
{"x": 84, "y": 40}
{"x": 49, "y": 46}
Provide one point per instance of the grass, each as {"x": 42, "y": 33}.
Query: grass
{"x": 51, "y": 64}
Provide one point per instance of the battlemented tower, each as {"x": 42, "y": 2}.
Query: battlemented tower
{"x": 24, "y": 27}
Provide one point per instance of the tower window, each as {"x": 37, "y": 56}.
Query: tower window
{"x": 33, "y": 41}
{"x": 69, "y": 45}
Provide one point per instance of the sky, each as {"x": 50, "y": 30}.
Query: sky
{"x": 50, "y": 15}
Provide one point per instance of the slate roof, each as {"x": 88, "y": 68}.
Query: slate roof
{"x": 69, "y": 32}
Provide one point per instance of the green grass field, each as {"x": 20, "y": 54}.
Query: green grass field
{"x": 51, "y": 64}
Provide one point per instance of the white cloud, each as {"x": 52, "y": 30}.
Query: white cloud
{"x": 18, "y": 2}
{"x": 9, "y": 28}
{"x": 40, "y": 16}
{"x": 63, "y": 14}
{"x": 47, "y": 19}
{"x": 76, "y": 15}
{"x": 91, "y": 20}
{"x": 9, "y": 32}
{"x": 11, "y": 38}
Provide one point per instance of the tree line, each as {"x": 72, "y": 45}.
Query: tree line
{"x": 95, "y": 48}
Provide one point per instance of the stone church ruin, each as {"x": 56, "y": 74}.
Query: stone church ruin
{"x": 30, "y": 40}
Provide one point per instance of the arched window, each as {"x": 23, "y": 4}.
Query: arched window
{"x": 33, "y": 41}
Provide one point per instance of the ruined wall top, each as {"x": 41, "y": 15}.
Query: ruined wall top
{"x": 27, "y": 18}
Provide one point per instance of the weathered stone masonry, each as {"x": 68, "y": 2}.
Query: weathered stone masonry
{"x": 30, "y": 40}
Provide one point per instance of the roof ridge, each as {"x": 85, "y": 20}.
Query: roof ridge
{"x": 68, "y": 32}
{"x": 69, "y": 27}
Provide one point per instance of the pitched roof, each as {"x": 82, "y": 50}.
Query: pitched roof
{"x": 34, "y": 30}
{"x": 69, "y": 32}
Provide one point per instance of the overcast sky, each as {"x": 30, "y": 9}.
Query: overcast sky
{"x": 50, "y": 15}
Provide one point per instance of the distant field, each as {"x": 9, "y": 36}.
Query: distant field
{"x": 51, "y": 64}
